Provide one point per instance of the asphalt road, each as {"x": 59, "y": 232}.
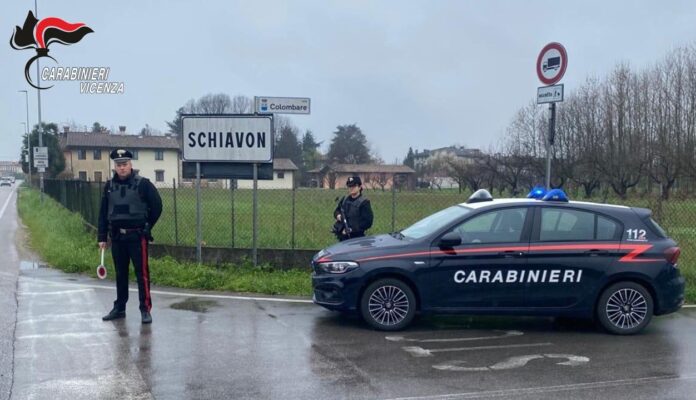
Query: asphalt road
{"x": 225, "y": 346}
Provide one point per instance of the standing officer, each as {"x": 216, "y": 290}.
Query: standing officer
{"x": 353, "y": 213}
{"x": 130, "y": 207}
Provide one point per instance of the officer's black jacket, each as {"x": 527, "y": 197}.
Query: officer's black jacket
{"x": 147, "y": 192}
{"x": 365, "y": 216}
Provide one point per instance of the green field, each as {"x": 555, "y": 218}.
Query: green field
{"x": 313, "y": 216}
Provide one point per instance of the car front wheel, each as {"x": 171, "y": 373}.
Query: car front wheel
{"x": 625, "y": 308}
{"x": 388, "y": 305}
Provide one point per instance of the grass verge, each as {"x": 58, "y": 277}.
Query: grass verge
{"x": 59, "y": 237}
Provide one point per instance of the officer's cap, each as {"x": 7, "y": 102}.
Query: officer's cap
{"x": 354, "y": 181}
{"x": 121, "y": 155}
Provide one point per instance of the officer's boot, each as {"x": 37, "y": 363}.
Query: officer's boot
{"x": 114, "y": 314}
{"x": 146, "y": 317}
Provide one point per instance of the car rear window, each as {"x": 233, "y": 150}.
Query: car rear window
{"x": 655, "y": 227}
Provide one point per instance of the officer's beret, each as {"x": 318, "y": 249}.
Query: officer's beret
{"x": 121, "y": 155}
{"x": 354, "y": 181}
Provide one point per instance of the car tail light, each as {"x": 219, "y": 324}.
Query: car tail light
{"x": 672, "y": 255}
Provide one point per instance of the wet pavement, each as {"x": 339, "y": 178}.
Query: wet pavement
{"x": 205, "y": 345}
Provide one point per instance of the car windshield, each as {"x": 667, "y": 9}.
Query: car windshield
{"x": 435, "y": 222}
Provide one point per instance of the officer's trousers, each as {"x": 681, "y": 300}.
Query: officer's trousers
{"x": 123, "y": 252}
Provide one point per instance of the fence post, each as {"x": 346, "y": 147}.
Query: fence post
{"x": 198, "y": 214}
{"x": 176, "y": 222}
{"x": 292, "y": 240}
{"x": 393, "y": 214}
{"x": 63, "y": 195}
{"x": 232, "y": 183}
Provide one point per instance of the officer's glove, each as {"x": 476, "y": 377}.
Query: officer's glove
{"x": 147, "y": 234}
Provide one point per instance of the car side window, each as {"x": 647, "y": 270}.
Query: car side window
{"x": 606, "y": 228}
{"x": 566, "y": 225}
{"x": 500, "y": 226}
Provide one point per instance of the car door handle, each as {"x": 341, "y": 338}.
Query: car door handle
{"x": 596, "y": 252}
{"x": 511, "y": 253}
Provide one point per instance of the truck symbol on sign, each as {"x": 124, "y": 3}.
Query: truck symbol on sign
{"x": 552, "y": 63}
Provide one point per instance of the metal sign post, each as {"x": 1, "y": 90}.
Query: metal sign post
{"x": 254, "y": 250}
{"x": 226, "y": 146}
{"x": 199, "y": 257}
{"x": 550, "y": 67}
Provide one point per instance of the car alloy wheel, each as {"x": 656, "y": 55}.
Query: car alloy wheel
{"x": 388, "y": 304}
{"x": 625, "y": 308}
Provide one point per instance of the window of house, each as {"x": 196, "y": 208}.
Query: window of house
{"x": 159, "y": 155}
{"x": 82, "y": 175}
{"x": 97, "y": 154}
{"x": 97, "y": 176}
{"x": 135, "y": 154}
{"x": 281, "y": 175}
{"x": 81, "y": 154}
{"x": 159, "y": 175}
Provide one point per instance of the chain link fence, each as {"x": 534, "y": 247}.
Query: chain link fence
{"x": 302, "y": 218}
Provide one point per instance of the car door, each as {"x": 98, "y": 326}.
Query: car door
{"x": 569, "y": 253}
{"x": 482, "y": 271}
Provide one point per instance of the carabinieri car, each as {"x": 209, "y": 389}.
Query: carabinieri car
{"x": 544, "y": 255}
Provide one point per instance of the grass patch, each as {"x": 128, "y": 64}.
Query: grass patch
{"x": 59, "y": 237}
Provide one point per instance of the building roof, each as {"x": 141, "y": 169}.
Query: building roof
{"x": 366, "y": 168}
{"x": 111, "y": 141}
{"x": 284, "y": 164}
{"x": 458, "y": 151}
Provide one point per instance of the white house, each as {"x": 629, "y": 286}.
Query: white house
{"x": 87, "y": 155}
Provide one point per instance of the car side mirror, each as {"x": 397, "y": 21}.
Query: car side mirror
{"x": 450, "y": 239}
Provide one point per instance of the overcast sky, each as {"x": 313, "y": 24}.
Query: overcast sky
{"x": 424, "y": 74}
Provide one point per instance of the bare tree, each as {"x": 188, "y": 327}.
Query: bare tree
{"x": 219, "y": 103}
{"x": 242, "y": 105}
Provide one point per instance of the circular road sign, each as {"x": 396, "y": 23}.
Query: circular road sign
{"x": 551, "y": 63}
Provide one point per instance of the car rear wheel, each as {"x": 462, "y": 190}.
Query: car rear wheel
{"x": 388, "y": 305}
{"x": 625, "y": 308}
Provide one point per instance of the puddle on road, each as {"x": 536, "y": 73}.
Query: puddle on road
{"x": 29, "y": 265}
{"x": 195, "y": 305}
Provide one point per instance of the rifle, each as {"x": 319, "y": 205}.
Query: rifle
{"x": 341, "y": 226}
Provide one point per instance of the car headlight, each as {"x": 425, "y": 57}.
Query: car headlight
{"x": 337, "y": 267}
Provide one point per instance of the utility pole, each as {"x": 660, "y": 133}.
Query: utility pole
{"x": 38, "y": 95}
{"x": 26, "y": 130}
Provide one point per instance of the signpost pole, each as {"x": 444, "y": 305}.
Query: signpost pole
{"x": 198, "y": 213}
{"x": 549, "y": 143}
{"x": 550, "y": 67}
{"x": 254, "y": 250}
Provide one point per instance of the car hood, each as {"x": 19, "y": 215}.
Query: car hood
{"x": 369, "y": 246}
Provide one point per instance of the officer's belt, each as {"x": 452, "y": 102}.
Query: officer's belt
{"x": 124, "y": 231}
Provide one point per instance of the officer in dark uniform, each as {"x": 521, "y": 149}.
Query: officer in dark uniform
{"x": 130, "y": 208}
{"x": 353, "y": 213}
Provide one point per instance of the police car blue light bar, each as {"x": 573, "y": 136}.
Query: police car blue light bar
{"x": 537, "y": 192}
{"x": 555, "y": 195}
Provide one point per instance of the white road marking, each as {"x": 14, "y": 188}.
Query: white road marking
{"x": 7, "y": 202}
{"x": 514, "y": 362}
{"x": 82, "y": 335}
{"x": 417, "y": 351}
{"x": 518, "y": 392}
{"x": 203, "y": 295}
{"x": 60, "y": 292}
{"x": 504, "y": 335}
